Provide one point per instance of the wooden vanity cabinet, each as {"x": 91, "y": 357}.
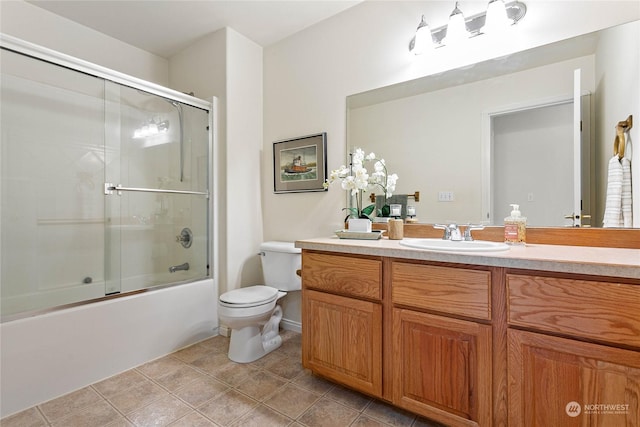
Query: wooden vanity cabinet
{"x": 342, "y": 319}
{"x": 469, "y": 345}
{"x": 563, "y": 380}
{"x": 442, "y": 363}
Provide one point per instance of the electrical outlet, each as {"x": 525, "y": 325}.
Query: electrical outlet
{"x": 445, "y": 196}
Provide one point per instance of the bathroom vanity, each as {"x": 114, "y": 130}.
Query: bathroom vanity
{"x": 536, "y": 335}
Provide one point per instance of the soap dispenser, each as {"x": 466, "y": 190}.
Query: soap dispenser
{"x": 515, "y": 227}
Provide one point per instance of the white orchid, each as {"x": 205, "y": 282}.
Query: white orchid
{"x": 356, "y": 179}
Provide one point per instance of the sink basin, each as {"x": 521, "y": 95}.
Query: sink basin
{"x": 455, "y": 246}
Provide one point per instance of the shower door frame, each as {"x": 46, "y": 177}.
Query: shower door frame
{"x": 28, "y": 49}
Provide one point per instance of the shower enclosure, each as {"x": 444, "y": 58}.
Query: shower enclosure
{"x": 104, "y": 183}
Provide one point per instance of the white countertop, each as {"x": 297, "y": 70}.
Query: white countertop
{"x": 566, "y": 259}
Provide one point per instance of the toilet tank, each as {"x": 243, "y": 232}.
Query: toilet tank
{"x": 280, "y": 260}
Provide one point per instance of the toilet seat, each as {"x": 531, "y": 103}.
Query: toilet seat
{"x": 251, "y": 296}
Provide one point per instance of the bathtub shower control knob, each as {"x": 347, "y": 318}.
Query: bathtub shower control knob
{"x": 185, "y": 238}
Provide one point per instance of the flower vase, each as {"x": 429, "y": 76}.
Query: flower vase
{"x": 360, "y": 225}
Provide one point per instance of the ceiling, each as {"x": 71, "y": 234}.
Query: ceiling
{"x": 165, "y": 27}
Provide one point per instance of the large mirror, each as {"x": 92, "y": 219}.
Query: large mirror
{"x": 474, "y": 140}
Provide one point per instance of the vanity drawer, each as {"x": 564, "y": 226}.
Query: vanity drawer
{"x": 343, "y": 274}
{"x": 603, "y": 311}
{"x": 458, "y": 291}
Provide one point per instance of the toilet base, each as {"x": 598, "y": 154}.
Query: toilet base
{"x": 246, "y": 344}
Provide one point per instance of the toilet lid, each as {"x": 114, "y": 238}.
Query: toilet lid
{"x": 251, "y": 295}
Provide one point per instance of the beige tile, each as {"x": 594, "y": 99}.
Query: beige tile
{"x": 160, "y": 366}
{"x": 212, "y": 362}
{"x": 192, "y": 353}
{"x": 137, "y": 397}
{"x": 193, "y": 419}
{"x": 228, "y": 407}
{"x": 262, "y": 417}
{"x": 217, "y": 344}
{"x": 288, "y": 368}
{"x": 292, "y": 349}
{"x": 389, "y": 414}
{"x": 364, "y": 421}
{"x": 96, "y": 415}
{"x": 292, "y": 400}
{"x": 350, "y": 398}
{"x": 260, "y": 385}
{"x": 120, "y": 422}
{"x": 268, "y": 359}
{"x": 29, "y": 418}
{"x": 160, "y": 413}
{"x": 234, "y": 373}
{"x": 198, "y": 392}
{"x": 312, "y": 382}
{"x": 118, "y": 383}
{"x": 62, "y": 406}
{"x": 179, "y": 378}
{"x": 328, "y": 413}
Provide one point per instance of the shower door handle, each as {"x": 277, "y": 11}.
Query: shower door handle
{"x": 109, "y": 188}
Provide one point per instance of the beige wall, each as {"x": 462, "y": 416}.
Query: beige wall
{"x": 308, "y": 76}
{"x": 227, "y": 65}
{"x": 33, "y": 24}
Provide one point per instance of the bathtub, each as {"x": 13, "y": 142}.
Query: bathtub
{"x": 49, "y": 355}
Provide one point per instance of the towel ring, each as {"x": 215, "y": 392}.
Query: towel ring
{"x": 619, "y": 143}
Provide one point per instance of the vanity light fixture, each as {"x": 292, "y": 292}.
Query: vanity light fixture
{"x": 490, "y": 22}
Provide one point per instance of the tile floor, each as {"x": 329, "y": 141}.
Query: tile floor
{"x": 200, "y": 387}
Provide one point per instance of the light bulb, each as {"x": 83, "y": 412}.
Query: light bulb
{"x": 423, "y": 40}
{"x": 496, "y": 21}
{"x": 153, "y": 129}
{"x": 456, "y": 29}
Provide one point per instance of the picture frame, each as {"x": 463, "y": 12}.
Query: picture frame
{"x": 300, "y": 164}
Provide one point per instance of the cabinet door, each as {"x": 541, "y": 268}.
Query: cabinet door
{"x": 442, "y": 368}
{"x": 342, "y": 340}
{"x": 561, "y": 382}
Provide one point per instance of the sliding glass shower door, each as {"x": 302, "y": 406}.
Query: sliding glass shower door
{"x": 156, "y": 190}
{"x": 104, "y": 187}
{"x": 53, "y": 167}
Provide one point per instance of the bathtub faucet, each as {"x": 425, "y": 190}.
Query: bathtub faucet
{"x": 175, "y": 268}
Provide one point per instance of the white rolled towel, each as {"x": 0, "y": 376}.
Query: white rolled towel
{"x": 626, "y": 201}
{"x": 613, "y": 204}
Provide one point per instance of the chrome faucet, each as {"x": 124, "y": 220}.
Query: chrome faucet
{"x": 451, "y": 231}
{"x": 467, "y": 231}
{"x": 175, "y": 268}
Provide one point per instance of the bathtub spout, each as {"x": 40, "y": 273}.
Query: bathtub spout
{"x": 175, "y": 268}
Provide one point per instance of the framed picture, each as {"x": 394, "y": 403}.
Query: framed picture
{"x": 300, "y": 164}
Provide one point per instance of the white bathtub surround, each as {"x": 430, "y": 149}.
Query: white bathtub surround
{"x": 47, "y": 356}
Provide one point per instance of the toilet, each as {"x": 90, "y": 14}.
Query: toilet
{"x": 252, "y": 312}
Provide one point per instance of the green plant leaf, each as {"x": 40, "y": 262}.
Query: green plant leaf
{"x": 368, "y": 210}
{"x": 353, "y": 213}
{"x": 386, "y": 210}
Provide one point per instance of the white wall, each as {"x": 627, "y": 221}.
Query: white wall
{"x": 36, "y": 25}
